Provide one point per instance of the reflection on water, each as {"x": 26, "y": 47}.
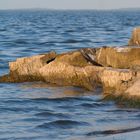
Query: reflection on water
{"x": 40, "y": 111}
{"x": 59, "y": 91}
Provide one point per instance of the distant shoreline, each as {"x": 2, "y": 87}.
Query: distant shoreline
{"x": 51, "y": 9}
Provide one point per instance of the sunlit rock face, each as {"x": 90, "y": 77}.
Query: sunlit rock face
{"x": 115, "y": 57}
{"x": 74, "y": 58}
{"x": 133, "y": 90}
{"x": 84, "y": 68}
{"x": 71, "y": 69}
{"x": 62, "y": 73}
{"x": 116, "y": 81}
{"x": 135, "y": 39}
{"x": 26, "y": 69}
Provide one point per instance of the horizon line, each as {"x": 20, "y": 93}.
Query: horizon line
{"x": 76, "y": 9}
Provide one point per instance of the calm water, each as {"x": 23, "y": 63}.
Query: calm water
{"x": 36, "y": 111}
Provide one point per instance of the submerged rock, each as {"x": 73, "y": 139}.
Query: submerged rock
{"x": 135, "y": 39}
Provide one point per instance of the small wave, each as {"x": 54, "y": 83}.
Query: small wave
{"x": 70, "y": 41}
{"x": 64, "y": 124}
{"x": 88, "y": 105}
{"x": 47, "y": 42}
{"x": 75, "y": 41}
{"x": 15, "y": 109}
{"x": 106, "y": 120}
{"x": 20, "y": 41}
{"x": 3, "y": 66}
{"x": 110, "y": 30}
{"x": 51, "y": 114}
{"x": 63, "y": 99}
{"x": 123, "y": 110}
{"x": 70, "y": 31}
{"x": 16, "y": 101}
{"x": 2, "y": 30}
{"x": 112, "y": 132}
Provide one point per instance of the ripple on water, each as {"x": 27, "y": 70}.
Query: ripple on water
{"x": 52, "y": 114}
{"x": 20, "y": 41}
{"x": 112, "y": 132}
{"x": 63, "y": 124}
{"x": 68, "y": 41}
{"x": 70, "y": 112}
{"x": 63, "y": 99}
{"x": 76, "y": 41}
{"x": 92, "y": 105}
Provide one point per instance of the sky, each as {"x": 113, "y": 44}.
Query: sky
{"x": 69, "y": 4}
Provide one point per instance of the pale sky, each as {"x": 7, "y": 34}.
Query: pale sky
{"x": 69, "y": 4}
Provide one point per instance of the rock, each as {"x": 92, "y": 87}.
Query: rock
{"x": 134, "y": 90}
{"x": 118, "y": 57}
{"x": 115, "y": 57}
{"x": 74, "y": 58}
{"x": 116, "y": 81}
{"x": 135, "y": 39}
{"x": 130, "y": 97}
{"x": 61, "y": 73}
{"x": 71, "y": 69}
{"x": 26, "y": 69}
{"x": 6, "y": 79}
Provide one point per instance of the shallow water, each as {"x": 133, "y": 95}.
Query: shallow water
{"x": 36, "y": 111}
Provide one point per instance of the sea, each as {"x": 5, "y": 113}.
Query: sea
{"x": 37, "y": 111}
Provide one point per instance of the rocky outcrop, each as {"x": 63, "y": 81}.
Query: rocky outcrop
{"x": 116, "y": 69}
{"x": 26, "y": 69}
{"x": 135, "y": 39}
{"x": 85, "y": 68}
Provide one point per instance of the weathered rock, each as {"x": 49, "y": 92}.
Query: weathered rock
{"x": 6, "y": 79}
{"x": 134, "y": 90}
{"x": 71, "y": 69}
{"x": 116, "y": 81}
{"x": 118, "y": 57}
{"x": 61, "y": 73}
{"x": 26, "y": 69}
{"x": 135, "y": 39}
{"x": 74, "y": 58}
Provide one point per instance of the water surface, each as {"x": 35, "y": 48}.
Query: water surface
{"x": 36, "y": 111}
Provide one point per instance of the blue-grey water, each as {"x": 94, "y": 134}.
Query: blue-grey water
{"x": 36, "y": 111}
